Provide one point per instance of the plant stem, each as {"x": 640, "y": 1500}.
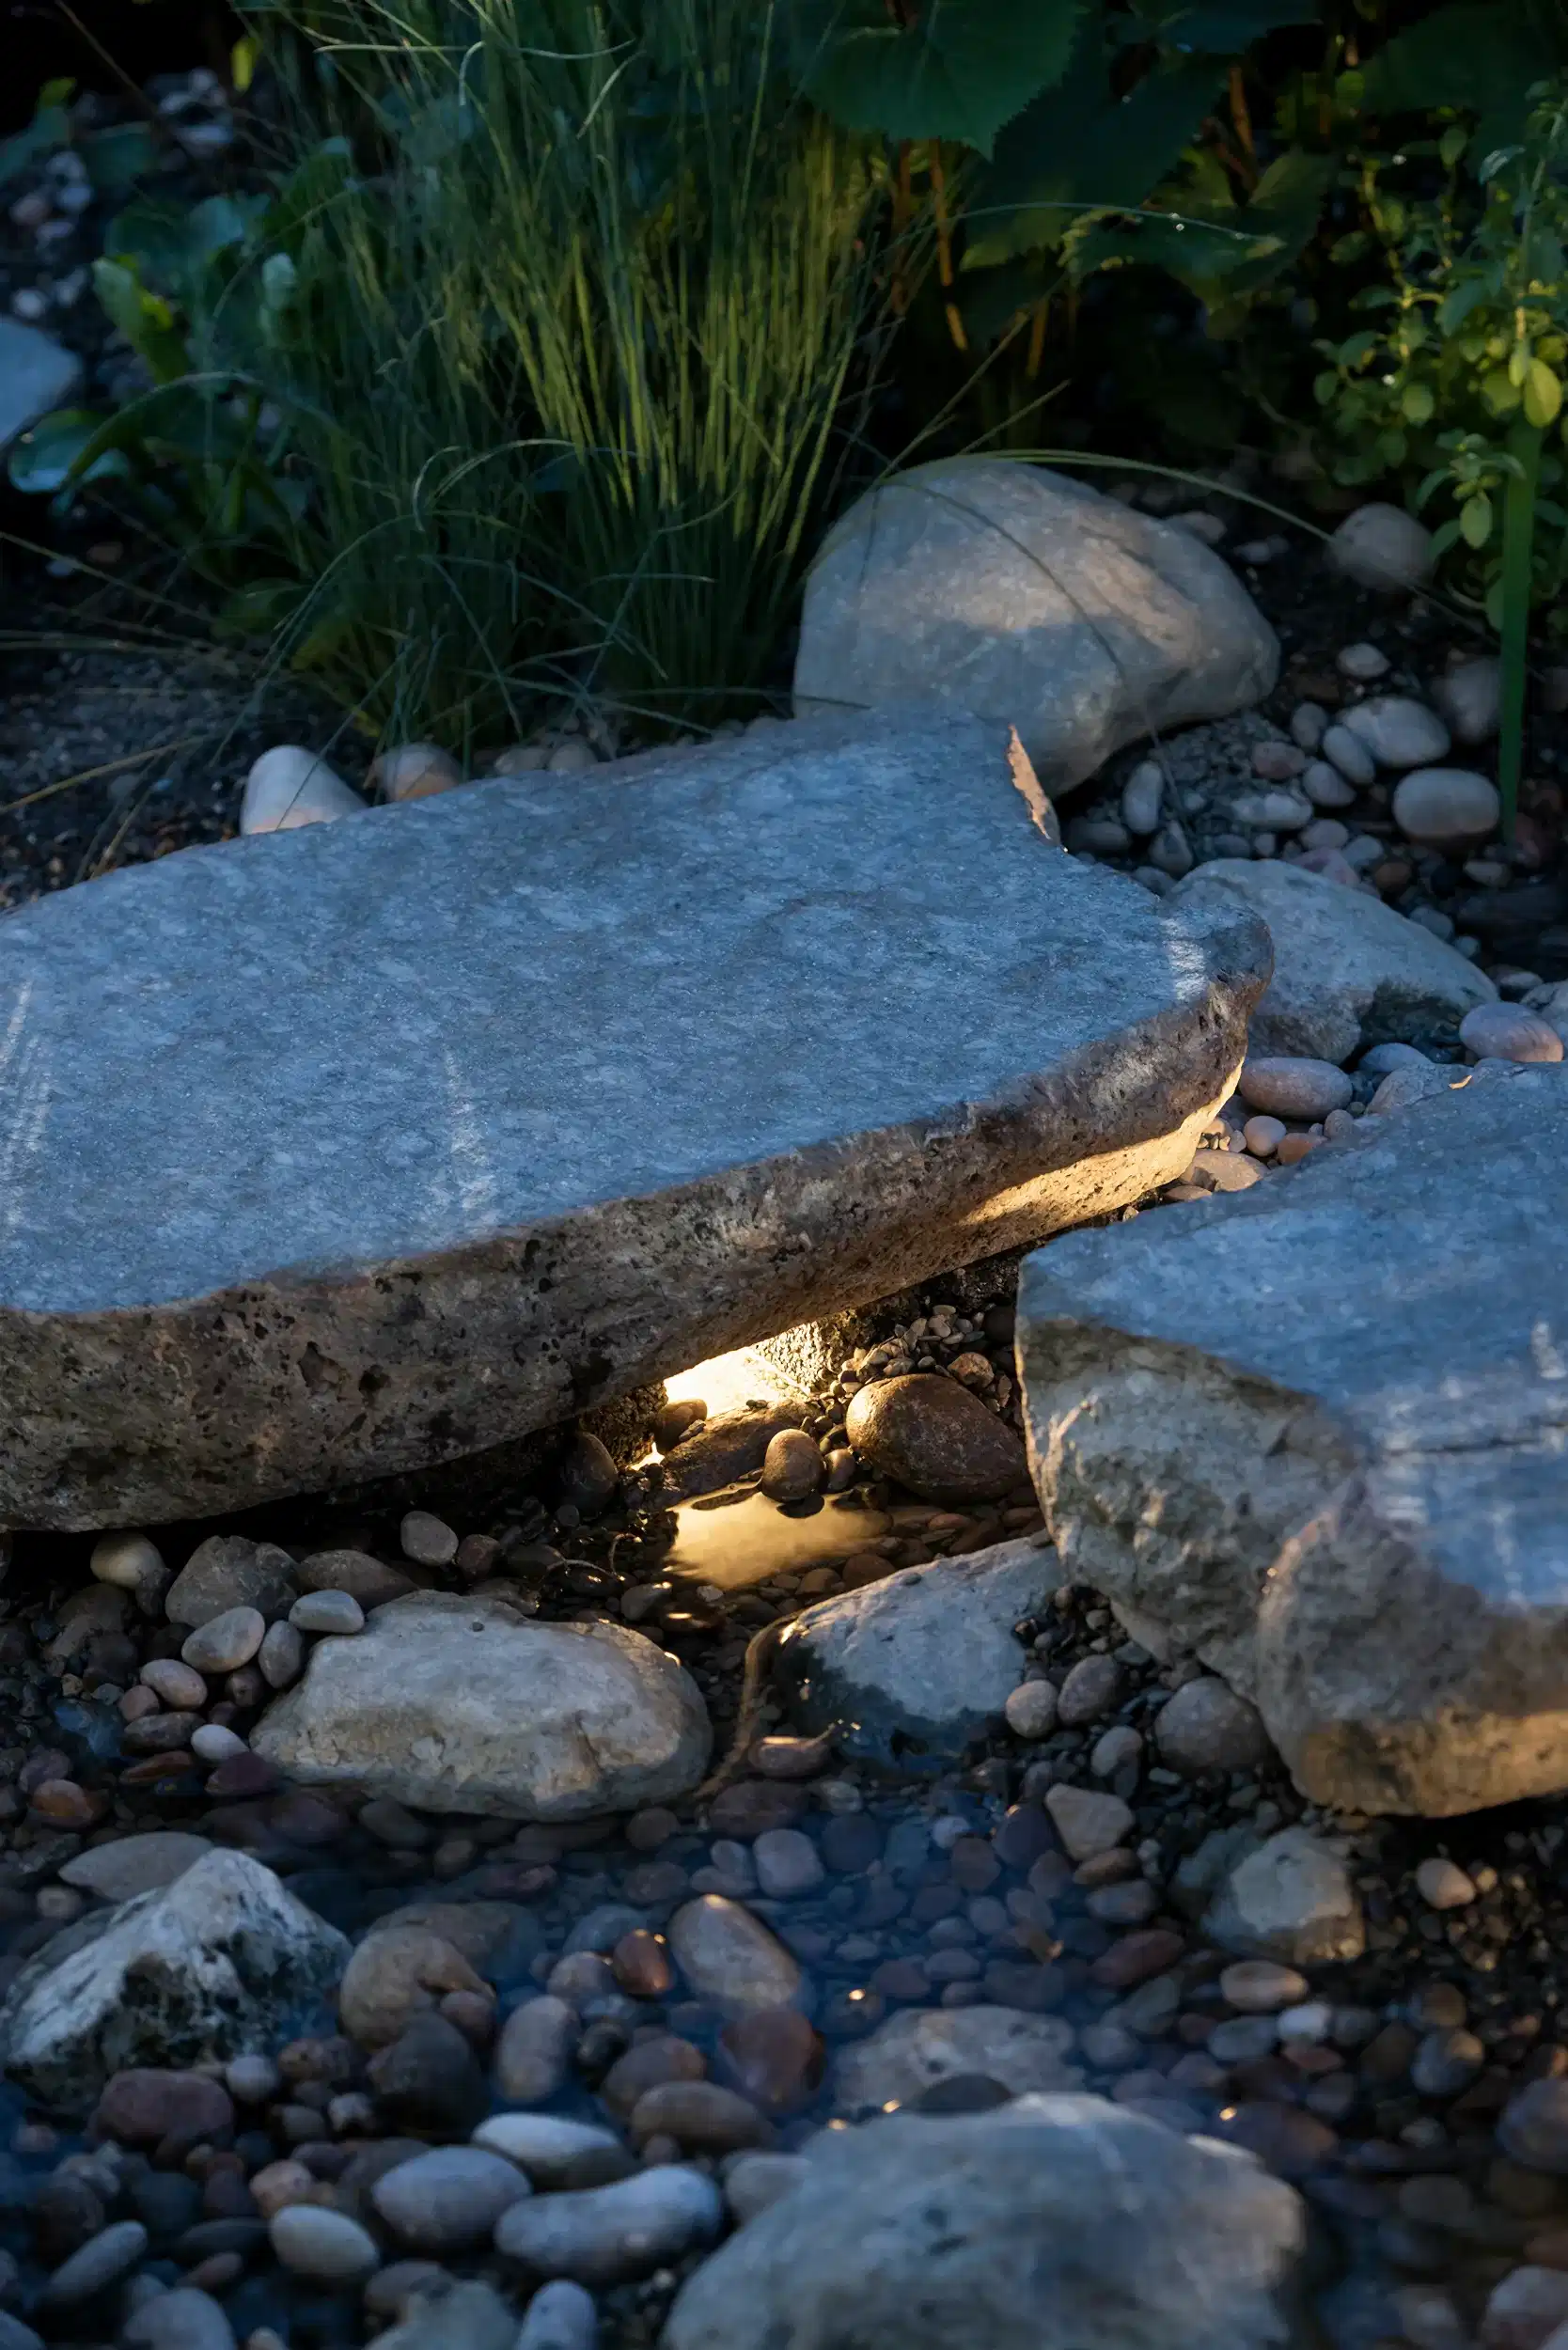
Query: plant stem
{"x": 1524, "y": 443}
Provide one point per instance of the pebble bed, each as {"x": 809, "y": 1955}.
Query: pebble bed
{"x": 613, "y": 2017}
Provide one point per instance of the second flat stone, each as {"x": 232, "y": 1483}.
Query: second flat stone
{"x": 337, "y": 1153}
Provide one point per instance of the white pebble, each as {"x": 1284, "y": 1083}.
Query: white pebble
{"x": 1443, "y": 1885}
{"x": 1349, "y": 754}
{"x": 1438, "y": 805}
{"x": 1382, "y": 547}
{"x": 215, "y": 1743}
{"x": 414, "y": 771}
{"x": 1309, "y": 723}
{"x": 1470, "y": 698}
{"x": 1397, "y": 730}
{"x": 253, "y": 2079}
{"x": 280, "y": 1655}
{"x": 1325, "y": 786}
{"x": 126, "y": 1560}
{"x": 788, "y": 1863}
{"x": 1141, "y": 795}
{"x": 1509, "y": 1032}
{"x": 427, "y": 1540}
{"x": 287, "y": 787}
{"x": 227, "y": 1642}
{"x": 1362, "y": 663}
{"x": 1264, "y": 1136}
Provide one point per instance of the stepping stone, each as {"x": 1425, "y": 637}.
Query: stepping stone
{"x": 344, "y": 1150}
{"x": 1316, "y": 1433}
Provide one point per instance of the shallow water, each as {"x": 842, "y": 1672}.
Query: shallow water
{"x": 739, "y": 1537}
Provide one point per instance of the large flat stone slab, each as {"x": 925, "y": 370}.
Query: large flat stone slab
{"x": 339, "y": 1151}
{"x": 1318, "y": 1432}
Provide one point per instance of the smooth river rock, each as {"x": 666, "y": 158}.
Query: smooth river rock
{"x": 906, "y": 1672}
{"x": 357, "y": 1148}
{"x": 456, "y": 1704}
{"x": 1348, "y": 971}
{"x": 1318, "y": 1434}
{"x": 1035, "y": 600}
{"x": 1052, "y": 2223}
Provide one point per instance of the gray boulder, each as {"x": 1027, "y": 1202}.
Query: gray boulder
{"x": 1033, "y": 599}
{"x": 907, "y": 1671}
{"x": 1348, "y": 971}
{"x": 1053, "y": 2223}
{"x": 357, "y": 1148}
{"x": 35, "y": 375}
{"x": 913, "y": 2051}
{"x": 222, "y": 1962}
{"x": 1316, "y": 1433}
{"x": 456, "y": 1704}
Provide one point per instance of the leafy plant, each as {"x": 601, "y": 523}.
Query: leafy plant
{"x": 1456, "y": 384}
{"x": 535, "y": 377}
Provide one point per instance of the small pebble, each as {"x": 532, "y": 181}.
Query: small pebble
{"x": 1350, "y": 756}
{"x": 1362, "y": 663}
{"x": 100, "y": 2262}
{"x": 793, "y": 1467}
{"x": 1440, "y": 806}
{"x": 1325, "y": 786}
{"x": 1261, "y": 1986}
{"x": 788, "y": 1863}
{"x": 1031, "y": 1710}
{"x": 1264, "y": 1136}
{"x": 213, "y": 1742}
{"x": 562, "y": 2316}
{"x": 326, "y": 2247}
{"x": 225, "y": 1641}
{"x": 337, "y": 1612}
{"x": 1287, "y": 1087}
{"x": 1442, "y": 1884}
{"x": 427, "y": 1540}
{"x": 1509, "y": 1032}
{"x": 280, "y": 1655}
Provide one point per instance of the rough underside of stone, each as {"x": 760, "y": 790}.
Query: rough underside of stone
{"x": 339, "y": 1151}
{"x": 1318, "y": 1433}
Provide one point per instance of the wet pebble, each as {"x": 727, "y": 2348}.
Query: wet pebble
{"x": 98, "y": 2263}
{"x": 702, "y": 2117}
{"x": 448, "y": 2199}
{"x": 606, "y": 2236}
{"x": 792, "y": 1466}
{"x": 336, "y": 1612}
{"x": 556, "y": 2153}
{"x": 788, "y": 1864}
{"x": 326, "y": 2247}
{"x": 1259, "y": 1986}
{"x": 1087, "y": 1823}
{"x": 773, "y": 2057}
{"x": 226, "y": 1640}
{"x": 533, "y": 2057}
{"x": 728, "y": 1956}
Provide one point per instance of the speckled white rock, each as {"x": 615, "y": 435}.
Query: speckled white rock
{"x": 288, "y": 787}
{"x": 1031, "y": 1710}
{"x": 1436, "y": 806}
{"x": 225, "y": 1642}
{"x": 1381, "y": 546}
{"x": 1397, "y": 730}
{"x": 1292, "y": 1899}
{"x": 454, "y": 1704}
{"x": 1087, "y": 1823}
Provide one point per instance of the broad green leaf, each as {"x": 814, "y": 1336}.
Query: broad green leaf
{"x": 1475, "y": 520}
{"x": 1418, "y": 403}
{"x": 1480, "y": 56}
{"x": 65, "y": 448}
{"x": 1078, "y": 147}
{"x": 117, "y": 158}
{"x": 143, "y": 319}
{"x": 959, "y": 71}
{"x": 1543, "y": 395}
{"x": 1224, "y": 29}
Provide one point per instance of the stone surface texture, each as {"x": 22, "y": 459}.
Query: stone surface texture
{"x": 908, "y": 1670}
{"x": 1348, "y": 971}
{"x": 1035, "y": 600}
{"x": 1318, "y": 1434}
{"x": 1052, "y": 2223}
{"x": 456, "y": 1704}
{"x": 361, "y": 1147}
{"x": 222, "y": 1961}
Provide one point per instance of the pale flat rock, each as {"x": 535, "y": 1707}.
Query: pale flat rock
{"x": 1052, "y": 2223}
{"x": 911, "y": 2052}
{"x": 1348, "y": 970}
{"x": 355, "y": 1148}
{"x": 907, "y": 1671}
{"x": 457, "y": 1704}
{"x": 1318, "y": 1434}
{"x": 222, "y": 1962}
{"x": 134, "y": 1864}
{"x": 35, "y": 375}
{"x": 1034, "y": 600}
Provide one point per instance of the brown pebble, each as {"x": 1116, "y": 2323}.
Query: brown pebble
{"x": 1393, "y": 876}
{"x": 1295, "y": 1147}
{"x": 661, "y": 2149}
{"x": 157, "y": 1733}
{"x": 791, "y": 1758}
{"x": 649, "y": 2065}
{"x": 641, "y": 1965}
{"x": 137, "y": 1703}
{"x": 975, "y": 1867}
{"x": 147, "y": 2103}
{"x": 864, "y": 1567}
{"x": 700, "y": 2116}
{"x": 476, "y": 1556}
{"x": 280, "y": 2182}
{"x": 63, "y": 1803}
{"x": 645, "y": 1831}
{"x": 153, "y": 1767}
{"x": 772, "y": 2057}
{"x": 1550, "y": 2249}
{"x": 749, "y": 1807}
{"x": 1147, "y": 1952}
{"x": 473, "y": 2012}
{"x": 242, "y": 1776}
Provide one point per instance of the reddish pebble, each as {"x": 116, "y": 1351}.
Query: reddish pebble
{"x": 791, "y": 1758}
{"x": 1295, "y": 1147}
{"x": 1509, "y": 1032}
{"x": 137, "y": 1702}
{"x": 773, "y": 2057}
{"x": 752, "y": 1805}
{"x": 647, "y": 2064}
{"x": 642, "y": 1965}
{"x": 159, "y": 1734}
{"x": 1138, "y": 1956}
{"x": 63, "y": 1803}
{"x": 240, "y": 1775}
{"x": 153, "y": 1767}
{"x": 146, "y": 2104}
{"x": 473, "y": 2016}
